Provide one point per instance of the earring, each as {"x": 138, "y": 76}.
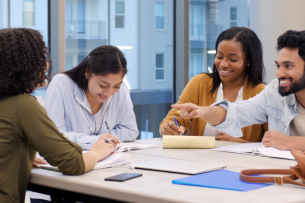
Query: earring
{"x": 86, "y": 78}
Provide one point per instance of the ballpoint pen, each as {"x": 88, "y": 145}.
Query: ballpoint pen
{"x": 177, "y": 124}
{"x": 109, "y": 132}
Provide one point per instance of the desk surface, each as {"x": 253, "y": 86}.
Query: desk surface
{"x": 156, "y": 186}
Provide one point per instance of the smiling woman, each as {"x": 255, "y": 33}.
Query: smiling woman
{"x": 237, "y": 75}
{"x": 80, "y": 100}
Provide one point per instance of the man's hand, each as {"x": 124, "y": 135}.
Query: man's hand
{"x": 273, "y": 138}
{"x": 189, "y": 110}
{"x": 39, "y": 161}
{"x": 171, "y": 129}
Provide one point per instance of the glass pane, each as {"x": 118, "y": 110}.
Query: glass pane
{"x": 233, "y": 13}
{"x": 81, "y": 17}
{"x": 207, "y": 20}
{"x": 119, "y": 7}
{"x": 28, "y": 13}
{"x": 233, "y": 24}
{"x": 160, "y": 74}
{"x": 159, "y": 60}
{"x": 150, "y": 87}
{"x": 69, "y": 62}
{"x": 159, "y": 9}
{"x": 119, "y": 21}
{"x": 159, "y": 22}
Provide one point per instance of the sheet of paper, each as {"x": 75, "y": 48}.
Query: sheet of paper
{"x": 188, "y": 142}
{"x": 123, "y": 147}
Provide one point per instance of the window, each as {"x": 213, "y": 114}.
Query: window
{"x": 207, "y": 20}
{"x": 81, "y": 17}
{"x": 159, "y": 66}
{"x": 29, "y": 13}
{"x": 119, "y": 14}
{"x": 159, "y": 13}
{"x": 233, "y": 16}
{"x": 69, "y": 62}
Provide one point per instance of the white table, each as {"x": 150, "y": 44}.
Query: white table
{"x": 156, "y": 186}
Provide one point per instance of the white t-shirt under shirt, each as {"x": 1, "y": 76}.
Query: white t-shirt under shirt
{"x": 297, "y": 127}
{"x": 98, "y": 119}
{"x": 209, "y": 130}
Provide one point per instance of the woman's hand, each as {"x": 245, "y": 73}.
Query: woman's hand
{"x": 102, "y": 149}
{"x": 224, "y": 137}
{"x": 39, "y": 161}
{"x": 114, "y": 141}
{"x": 189, "y": 110}
{"x": 171, "y": 129}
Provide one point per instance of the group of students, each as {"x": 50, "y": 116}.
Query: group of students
{"x": 78, "y": 102}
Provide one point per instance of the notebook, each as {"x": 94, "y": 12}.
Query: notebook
{"x": 113, "y": 160}
{"x": 178, "y": 166}
{"x": 124, "y": 147}
{"x": 257, "y": 148}
{"x": 222, "y": 179}
{"x": 188, "y": 142}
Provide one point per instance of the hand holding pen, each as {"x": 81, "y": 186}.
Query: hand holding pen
{"x": 108, "y": 137}
{"x": 173, "y": 129}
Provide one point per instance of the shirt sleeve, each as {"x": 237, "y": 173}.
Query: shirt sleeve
{"x": 33, "y": 125}
{"x": 54, "y": 105}
{"x": 243, "y": 113}
{"x": 126, "y": 129}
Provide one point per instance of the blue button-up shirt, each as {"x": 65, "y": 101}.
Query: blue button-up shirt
{"x": 268, "y": 106}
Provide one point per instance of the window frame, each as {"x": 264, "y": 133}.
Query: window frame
{"x": 163, "y": 68}
{"x": 119, "y": 14}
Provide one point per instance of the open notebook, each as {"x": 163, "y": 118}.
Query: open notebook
{"x": 124, "y": 147}
{"x": 256, "y": 148}
{"x": 116, "y": 159}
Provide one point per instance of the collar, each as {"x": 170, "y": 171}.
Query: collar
{"x": 292, "y": 101}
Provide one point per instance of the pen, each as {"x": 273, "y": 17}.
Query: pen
{"x": 108, "y": 140}
{"x": 177, "y": 124}
{"x": 109, "y": 132}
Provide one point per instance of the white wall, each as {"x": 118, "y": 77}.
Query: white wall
{"x": 270, "y": 19}
{"x": 4, "y": 14}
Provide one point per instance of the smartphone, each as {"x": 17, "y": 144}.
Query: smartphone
{"x": 122, "y": 177}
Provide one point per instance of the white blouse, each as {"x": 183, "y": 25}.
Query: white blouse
{"x": 209, "y": 130}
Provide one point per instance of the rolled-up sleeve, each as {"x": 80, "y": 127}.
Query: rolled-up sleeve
{"x": 243, "y": 113}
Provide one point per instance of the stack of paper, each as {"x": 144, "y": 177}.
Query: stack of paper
{"x": 113, "y": 160}
{"x": 256, "y": 148}
{"x": 124, "y": 147}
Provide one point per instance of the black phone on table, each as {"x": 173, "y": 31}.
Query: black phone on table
{"x": 123, "y": 177}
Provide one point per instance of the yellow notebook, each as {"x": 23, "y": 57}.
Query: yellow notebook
{"x": 188, "y": 142}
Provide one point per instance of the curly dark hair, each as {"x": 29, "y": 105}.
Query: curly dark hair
{"x": 292, "y": 39}
{"x": 23, "y": 61}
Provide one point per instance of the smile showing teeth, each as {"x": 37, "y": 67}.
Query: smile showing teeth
{"x": 225, "y": 71}
{"x": 284, "y": 81}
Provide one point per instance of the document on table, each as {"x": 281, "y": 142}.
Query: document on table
{"x": 113, "y": 160}
{"x": 124, "y": 147}
{"x": 188, "y": 142}
{"x": 256, "y": 148}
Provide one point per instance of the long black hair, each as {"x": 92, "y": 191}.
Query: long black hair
{"x": 102, "y": 60}
{"x": 254, "y": 54}
{"x": 23, "y": 61}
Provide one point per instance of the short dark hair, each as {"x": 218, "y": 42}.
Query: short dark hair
{"x": 254, "y": 54}
{"x": 292, "y": 39}
{"x": 22, "y": 61}
{"x": 102, "y": 60}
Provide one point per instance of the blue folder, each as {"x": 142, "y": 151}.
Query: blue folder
{"x": 222, "y": 179}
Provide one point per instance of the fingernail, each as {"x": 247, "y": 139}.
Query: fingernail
{"x": 197, "y": 116}
{"x": 178, "y": 112}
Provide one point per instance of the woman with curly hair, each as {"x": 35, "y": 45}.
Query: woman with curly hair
{"x": 237, "y": 75}
{"x": 25, "y": 127}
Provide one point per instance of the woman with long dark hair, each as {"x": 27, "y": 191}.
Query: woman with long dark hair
{"x": 25, "y": 127}
{"x": 80, "y": 101}
{"x": 237, "y": 75}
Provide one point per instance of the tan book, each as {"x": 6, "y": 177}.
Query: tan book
{"x": 188, "y": 142}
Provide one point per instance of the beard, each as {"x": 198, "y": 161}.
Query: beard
{"x": 294, "y": 87}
